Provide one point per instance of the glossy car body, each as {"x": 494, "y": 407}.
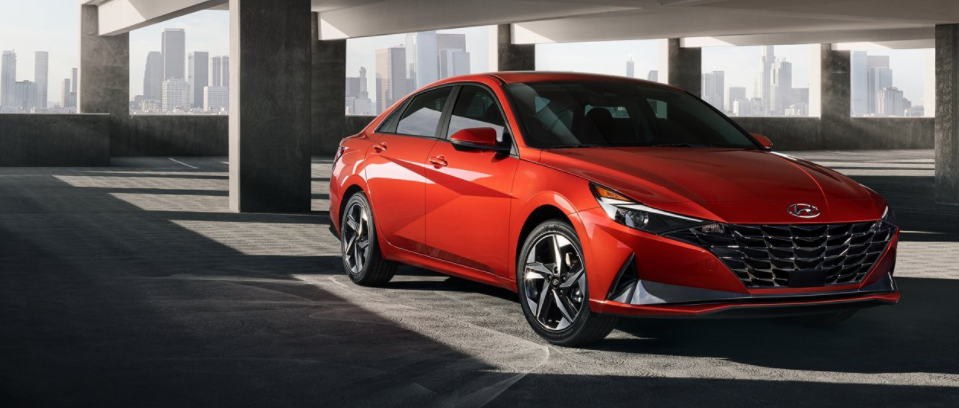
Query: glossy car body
{"x": 466, "y": 213}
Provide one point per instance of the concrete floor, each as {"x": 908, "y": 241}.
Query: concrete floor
{"x": 134, "y": 286}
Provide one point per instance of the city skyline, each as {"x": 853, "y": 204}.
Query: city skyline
{"x": 58, "y": 35}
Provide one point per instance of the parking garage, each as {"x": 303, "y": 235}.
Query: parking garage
{"x": 187, "y": 260}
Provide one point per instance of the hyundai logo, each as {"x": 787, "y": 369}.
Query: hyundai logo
{"x": 804, "y": 210}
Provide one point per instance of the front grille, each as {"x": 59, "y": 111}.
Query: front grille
{"x": 764, "y": 256}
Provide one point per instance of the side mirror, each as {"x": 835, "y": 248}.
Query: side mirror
{"x": 763, "y": 140}
{"x": 480, "y": 139}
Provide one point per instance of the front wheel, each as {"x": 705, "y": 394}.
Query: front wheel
{"x": 361, "y": 254}
{"x": 552, "y": 284}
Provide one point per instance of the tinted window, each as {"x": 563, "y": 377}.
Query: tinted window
{"x": 583, "y": 114}
{"x": 476, "y": 108}
{"x": 422, "y": 117}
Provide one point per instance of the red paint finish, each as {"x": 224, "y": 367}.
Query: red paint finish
{"x": 462, "y": 211}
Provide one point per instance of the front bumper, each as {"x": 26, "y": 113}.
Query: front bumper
{"x": 639, "y": 274}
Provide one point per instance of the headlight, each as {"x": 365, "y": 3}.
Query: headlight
{"x": 635, "y": 215}
{"x": 889, "y": 217}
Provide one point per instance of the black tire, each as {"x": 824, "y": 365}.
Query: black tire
{"x": 586, "y": 327}
{"x": 373, "y": 269}
{"x": 826, "y": 319}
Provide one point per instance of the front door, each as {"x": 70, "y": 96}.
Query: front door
{"x": 468, "y": 192}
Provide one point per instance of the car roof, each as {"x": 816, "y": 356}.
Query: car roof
{"x": 511, "y": 77}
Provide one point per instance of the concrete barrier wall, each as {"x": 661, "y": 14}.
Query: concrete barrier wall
{"x": 169, "y": 135}
{"x": 852, "y": 134}
{"x": 54, "y": 140}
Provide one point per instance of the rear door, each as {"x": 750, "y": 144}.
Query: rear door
{"x": 468, "y": 192}
{"x": 395, "y": 169}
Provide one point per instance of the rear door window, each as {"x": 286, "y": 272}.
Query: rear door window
{"x": 422, "y": 116}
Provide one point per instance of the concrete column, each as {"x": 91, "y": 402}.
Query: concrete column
{"x": 947, "y": 114}
{"x": 270, "y": 86}
{"x": 835, "y": 88}
{"x": 513, "y": 57}
{"x": 329, "y": 92}
{"x": 685, "y": 67}
{"x": 104, "y": 77}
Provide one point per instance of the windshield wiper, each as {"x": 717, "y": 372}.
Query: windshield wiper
{"x": 680, "y": 145}
{"x": 573, "y": 146}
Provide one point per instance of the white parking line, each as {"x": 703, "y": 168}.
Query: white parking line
{"x": 177, "y": 161}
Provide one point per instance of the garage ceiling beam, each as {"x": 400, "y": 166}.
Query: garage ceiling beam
{"x": 123, "y": 16}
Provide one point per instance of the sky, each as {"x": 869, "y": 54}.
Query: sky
{"x": 42, "y": 25}
{"x": 53, "y": 26}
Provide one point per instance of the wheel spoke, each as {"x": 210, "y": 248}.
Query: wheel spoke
{"x": 352, "y": 225}
{"x": 363, "y": 244}
{"x": 561, "y": 306}
{"x": 557, "y": 256}
{"x": 543, "y": 297}
{"x": 537, "y": 270}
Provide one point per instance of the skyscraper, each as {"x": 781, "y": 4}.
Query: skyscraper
{"x": 8, "y": 77}
{"x": 220, "y": 71}
{"x": 174, "y": 53}
{"x": 714, "y": 86}
{"x": 878, "y": 78}
{"x": 764, "y": 79}
{"x": 736, "y": 93}
{"x": 216, "y": 98}
{"x": 781, "y": 87}
{"x": 451, "y": 55}
{"x": 890, "y": 102}
{"x": 74, "y": 83}
{"x": 153, "y": 77}
{"x": 630, "y": 67}
{"x": 198, "y": 74}
{"x": 41, "y": 73}
{"x": 391, "y": 79}
{"x": 66, "y": 94}
{"x": 424, "y": 65}
{"x": 653, "y": 76}
{"x": 176, "y": 95}
{"x": 858, "y": 70}
{"x": 24, "y": 95}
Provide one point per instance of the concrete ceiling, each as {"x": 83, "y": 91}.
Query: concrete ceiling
{"x": 740, "y": 22}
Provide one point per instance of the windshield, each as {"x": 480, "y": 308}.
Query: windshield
{"x": 619, "y": 114}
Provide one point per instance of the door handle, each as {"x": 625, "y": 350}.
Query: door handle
{"x": 379, "y": 147}
{"x": 438, "y": 161}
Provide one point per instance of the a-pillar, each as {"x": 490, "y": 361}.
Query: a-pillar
{"x": 270, "y": 104}
{"x": 513, "y": 57}
{"x": 947, "y": 114}
{"x": 104, "y": 75}
{"x": 684, "y": 67}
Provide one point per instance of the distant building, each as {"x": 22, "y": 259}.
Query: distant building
{"x": 68, "y": 98}
{"x": 453, "y": 63}
{"x": 24, "y": 95}
{"x": 173, "y": 47}
{"x": 797, "y": 109}
{"x": 198, "y": 75}
{"x": 714, "y": 86}
{"x": 41, "y": 73}
{"x": 176, "y": 95}
{"x": 653, "y": 76}
{"x": 216, "y": 99}
{"x": 736, "y": 93}
{"x": 889, "y": 102}
{"x": 8, "y": 77}
{"x": 220, "y": 71}
{"x": 915, "y": 112}
{"x": 781, "y": 87}
{"x": 357, "y": 97}
{"x": 630, "y": 67}
{"x": 153, "y": 77}
{"x": 391, "y": 81}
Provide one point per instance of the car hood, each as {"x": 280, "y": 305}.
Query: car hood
{"x": 732, "y": 185}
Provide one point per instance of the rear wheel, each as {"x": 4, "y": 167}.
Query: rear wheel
{"x": 552, "y": 284}
{"x": 361, "y": 254}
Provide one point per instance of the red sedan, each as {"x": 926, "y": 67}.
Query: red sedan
{"x": 595, "y": 197}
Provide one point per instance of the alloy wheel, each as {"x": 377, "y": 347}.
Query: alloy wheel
{"x": 555, "y": 282}
{"x": 356, "y": 238}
